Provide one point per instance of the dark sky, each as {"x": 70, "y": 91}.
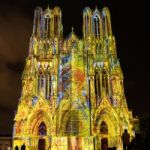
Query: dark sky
{"x": 130, "y": 25}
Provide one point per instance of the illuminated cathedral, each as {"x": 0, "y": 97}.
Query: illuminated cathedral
{"x": 72, "y": 89}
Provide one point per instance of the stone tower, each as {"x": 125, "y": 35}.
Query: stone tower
{"x": 72, "y": 89}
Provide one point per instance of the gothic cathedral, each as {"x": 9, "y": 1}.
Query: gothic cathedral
{"x": 72, "y": 89}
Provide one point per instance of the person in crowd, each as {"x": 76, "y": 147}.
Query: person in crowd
{"x": 23, "y": 147}
{"x": 16, "y": 147}
{"x": 125, "y": 139}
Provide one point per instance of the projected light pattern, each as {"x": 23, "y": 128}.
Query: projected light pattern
{"x": 72, "y": 89}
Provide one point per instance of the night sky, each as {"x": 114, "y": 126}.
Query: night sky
{"x": 130, "y": 25}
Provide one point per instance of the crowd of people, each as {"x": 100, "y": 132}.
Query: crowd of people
{"x": 140, "y": 142}
{"x": 23, "y": 147}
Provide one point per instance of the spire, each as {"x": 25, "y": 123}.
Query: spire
{"x": 72, "y": 30}
{"x": 72, "y": 35}
{"x": 96, "y": 9}
{"x": 48, "y": 7}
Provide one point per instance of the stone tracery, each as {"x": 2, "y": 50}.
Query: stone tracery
{"x": 72, "y": 89}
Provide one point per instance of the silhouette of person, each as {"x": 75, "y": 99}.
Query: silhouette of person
{"x": 16, "y": 147}
{"x": 23, "y": 147}
{"x": 125, "y": 139}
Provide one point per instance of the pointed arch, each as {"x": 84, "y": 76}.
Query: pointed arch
{"x": 72, "y": 124}
{"x": 47, "y": 19}
{"x": 106, "y": 113}
{"x": 36, "y": 119}
{"x": 41, "y": 79}
{"x": 48, "y": 82}
{"x": 74, "y": 121}
{"x": 106, "y": 21}
{"x": 57, "y": 21}
{"x": 56, "y": 25}
{"x": 103, "y": 128}
{"x": 105, "y": 81}
{"x": 87, "y": 21}
{"x": 42, "y": 129}
{"x": 96, "y": 24}
{"x": 110, "y": 127}
{"x": 97, "y": 86}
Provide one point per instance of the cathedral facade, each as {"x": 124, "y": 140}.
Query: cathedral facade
{"x": 72, "y": 89}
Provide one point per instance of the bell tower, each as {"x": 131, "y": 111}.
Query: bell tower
{"x": 72, "y": 89}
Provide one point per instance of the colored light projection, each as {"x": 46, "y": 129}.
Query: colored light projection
{"x": 72, "y": 89}
{"x": 64, "y": 77}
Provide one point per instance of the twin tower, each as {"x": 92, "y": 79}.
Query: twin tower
{"x": 72, "y": 89}
{"x": 48, "y": 23}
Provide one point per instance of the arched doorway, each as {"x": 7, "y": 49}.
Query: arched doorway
{"x": 42, "y": 131}
{"x": 41, "y": 144}
{"x": 104, "y": 131}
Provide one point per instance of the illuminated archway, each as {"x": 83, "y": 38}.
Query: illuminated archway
{"x": 37, "y": 120}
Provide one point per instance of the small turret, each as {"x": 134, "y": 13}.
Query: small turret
{"x": 57, "y": 22}
{"x": 37, "y": 24}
